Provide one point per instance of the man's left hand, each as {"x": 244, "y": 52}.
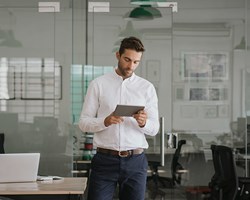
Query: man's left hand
{"x": 141, "y": 118}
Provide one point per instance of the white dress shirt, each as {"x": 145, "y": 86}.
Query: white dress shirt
{"x": 103, "y": 94}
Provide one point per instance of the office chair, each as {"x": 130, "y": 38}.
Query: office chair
{"x": 2, "y": 143}
{"x": 213, "y": 184}
{"x": 166, "y": 182}
{"x": 225, "y": 184}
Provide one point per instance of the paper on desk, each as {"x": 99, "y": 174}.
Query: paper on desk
{"x": 48, "y": 178}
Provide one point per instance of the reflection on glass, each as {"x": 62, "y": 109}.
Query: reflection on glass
{"x": 4, "y": 94}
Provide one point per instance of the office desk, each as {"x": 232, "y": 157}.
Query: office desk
{"x": 81, "y": 168}
{"x": 67, "y": 188}
{"x": 245, "y": 164}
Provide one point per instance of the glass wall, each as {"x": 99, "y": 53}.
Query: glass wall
{"x": 36, "y": 56}
{"x": 201, "y": 60}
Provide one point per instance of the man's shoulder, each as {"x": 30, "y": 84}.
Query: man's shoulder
{"x": 145, "y": 81}
{"x": 102, "y": 78}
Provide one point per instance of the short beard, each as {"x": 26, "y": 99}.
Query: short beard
{"x": 123, "y": 72}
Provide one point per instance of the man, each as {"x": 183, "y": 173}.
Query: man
{"x": 120, "y": 140}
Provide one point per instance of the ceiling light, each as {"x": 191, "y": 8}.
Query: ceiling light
{"x": 145, "y": 12}
{"x": 242, "y": 45}
{"x": 129, "y": 31}
{"x": 154, "y": 11}
{"x": 141, "y": 13}
{"x": 10, "y": 40}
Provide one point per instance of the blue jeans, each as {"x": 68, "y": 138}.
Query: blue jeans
{"x": 130, "y": 173}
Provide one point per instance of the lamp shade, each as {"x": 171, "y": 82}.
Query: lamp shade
{"x": 146, "y": 12}
{"x": 129, "y": 31}
{"x": 242, "y": 45}
{"x": 154, "y": 11}
{"x": 10, "y": 40}
{"x": 141, "y": 13}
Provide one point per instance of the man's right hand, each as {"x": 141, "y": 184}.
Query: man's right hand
{"x": 111, "y": 119}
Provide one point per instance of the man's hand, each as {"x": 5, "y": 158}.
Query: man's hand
{"x": 141, "y": 118}
{"x": 111, "y": 119}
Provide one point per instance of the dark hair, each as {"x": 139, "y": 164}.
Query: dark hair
{"x": 131, "y": 43}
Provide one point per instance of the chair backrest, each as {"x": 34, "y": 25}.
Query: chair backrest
{"x": 175, "y": 166}
{"x": 225, "y": 179}
{"x": 2, "y": 143}
{"x": 215, "y": 163}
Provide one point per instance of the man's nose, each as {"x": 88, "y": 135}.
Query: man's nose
{"x": 131, "y": 65}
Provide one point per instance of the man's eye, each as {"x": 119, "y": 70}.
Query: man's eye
{"x": 126, "y": 59}
{"x": 136, "y": 62}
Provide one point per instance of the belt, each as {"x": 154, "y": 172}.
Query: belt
{"x": 120, "y": 153}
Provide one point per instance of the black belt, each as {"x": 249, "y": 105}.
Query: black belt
{"x": 120, "y": 153}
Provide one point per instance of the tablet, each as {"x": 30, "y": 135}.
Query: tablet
{"x": 127, "y": 110}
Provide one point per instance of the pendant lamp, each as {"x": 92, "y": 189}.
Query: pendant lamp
{"x": 145, "y": 12}
{"x": 242, "y": 45}
{"x": 129, "y": 31}
{"x": 10, "y": 40}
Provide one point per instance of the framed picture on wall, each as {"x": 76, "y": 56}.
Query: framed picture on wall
{"x": 204, "y": 65}
{"x": 208, "y": 94}
{"x": 218, "y": 94}
{"x": 198, "y": 94}
{"x": 153, "y": 70}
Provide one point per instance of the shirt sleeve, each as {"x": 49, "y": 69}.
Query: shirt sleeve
{"x": 89, "y": 122}
{"x": 152, "y": 125}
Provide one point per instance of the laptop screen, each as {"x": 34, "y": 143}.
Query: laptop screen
{"x": 19, "y": 167}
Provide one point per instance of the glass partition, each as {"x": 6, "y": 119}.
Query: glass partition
{"x": 244, "y": 119}
{"x": 198, "y": 62}
{"x": 31, "y": 86}
{"x": 210, "y": 83}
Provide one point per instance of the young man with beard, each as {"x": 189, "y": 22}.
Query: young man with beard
{"x": 120, "y": 141}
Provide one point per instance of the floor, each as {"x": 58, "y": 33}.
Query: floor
{"x": 177, "y": 193}
{"x": 168, "y": 194}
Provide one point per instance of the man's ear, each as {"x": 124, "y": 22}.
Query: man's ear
{"x": 117, "y": 55}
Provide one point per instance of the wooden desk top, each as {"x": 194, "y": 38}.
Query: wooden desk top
{"x": 245, "y": 156}
{"x": 64, "y": 186}
{"x": 82, "y": 161}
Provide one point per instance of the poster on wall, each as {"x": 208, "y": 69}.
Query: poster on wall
{"x": 204, "y": 65}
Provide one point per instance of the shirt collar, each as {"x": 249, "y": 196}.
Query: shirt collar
{"x": 131, "y": 78}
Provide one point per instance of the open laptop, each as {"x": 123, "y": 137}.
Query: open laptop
{"x": 19, "y": 167}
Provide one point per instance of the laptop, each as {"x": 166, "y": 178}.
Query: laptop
{"x": 19, "y": 167}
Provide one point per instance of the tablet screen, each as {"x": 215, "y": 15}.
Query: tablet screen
{"x": 127, "y": 110}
